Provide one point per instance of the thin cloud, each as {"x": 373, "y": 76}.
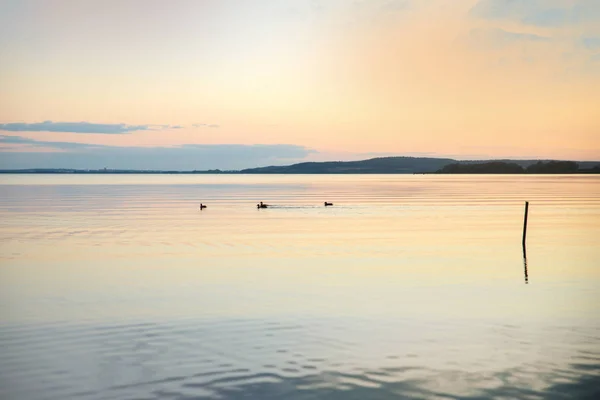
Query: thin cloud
{"x": 73, "y": 127}
{"x": 205, "y": 125}
{"x": 396, "y": 5}
{"x": 591, "y": 43}
{"x": 499, "y": 37}
{"x": 51, "y": 145}
{"x": 183, "y": 157}
{"x": 539, "y": 13}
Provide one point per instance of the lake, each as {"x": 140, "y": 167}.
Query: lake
{"x": 410, "y": 286}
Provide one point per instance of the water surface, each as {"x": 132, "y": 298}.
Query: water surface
{"x": 410, "y": 286}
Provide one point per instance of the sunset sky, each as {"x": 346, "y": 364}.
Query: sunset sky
{"x": 233, "y": 84}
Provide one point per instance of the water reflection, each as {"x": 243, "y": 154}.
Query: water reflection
{"x": 525, "y": 263}
{"x": 342, "y": 386}
{"x": 298, "y": 302}
{"x": 302, "y": 359}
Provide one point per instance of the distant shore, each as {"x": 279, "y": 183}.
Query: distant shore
{"x": 382, "y": 165}
{"x": 19, "y": 172}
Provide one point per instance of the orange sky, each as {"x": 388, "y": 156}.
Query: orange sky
{"x": 457, "y": 78}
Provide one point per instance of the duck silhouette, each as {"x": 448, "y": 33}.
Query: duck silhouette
{"x": 202, "y": 206}
{"x": 261, "y": 205}
{"x": 328, "y": 204}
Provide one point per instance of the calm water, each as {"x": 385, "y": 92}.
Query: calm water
{"x": 118, "y": 287}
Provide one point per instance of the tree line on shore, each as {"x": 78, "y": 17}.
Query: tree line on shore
{"x": 500, "y": 167}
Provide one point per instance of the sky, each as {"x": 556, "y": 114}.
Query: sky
{"x": 229, "y": 84}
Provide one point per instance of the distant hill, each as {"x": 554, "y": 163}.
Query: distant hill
{"x": 527, "y": 163}
{"x": 553, "y": 167}
{"x": 410, "y": 165}
{"x": 383, "y": 165}
{"x": 493, "y": 167}
{"x": 501, "y": 167}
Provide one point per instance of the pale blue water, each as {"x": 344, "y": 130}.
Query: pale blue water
{"x": 118, "y": 287}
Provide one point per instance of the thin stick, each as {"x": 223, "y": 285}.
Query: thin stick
{"x": 525, "y": 224}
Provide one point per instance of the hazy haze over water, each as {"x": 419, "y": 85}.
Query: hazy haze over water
{"x": 410, "y": 286}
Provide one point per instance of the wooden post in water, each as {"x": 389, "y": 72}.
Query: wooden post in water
{"x": 524, "y": 238}
{"x": 525, "y": 225}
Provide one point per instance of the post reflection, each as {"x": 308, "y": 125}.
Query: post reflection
{"x": 525, "y": 265}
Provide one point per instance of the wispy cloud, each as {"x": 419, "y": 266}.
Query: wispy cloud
{"x": 395, "y": 5}
{"x": 544, "y": 13}
{"x": 495, "y": 37}
{"x": 88, "y": 127}
{"x": 72, "y": 127}
{"x": 591, "y": 43}
{"x": 183, "y": 157}
{"x": 205, "y": 125}
{"x": 19, "y": 140}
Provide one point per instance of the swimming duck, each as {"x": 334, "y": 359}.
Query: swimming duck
{"x": 328, "y": 204}
{"x": 202, "y": 206}
{"x": 261, "y": 205}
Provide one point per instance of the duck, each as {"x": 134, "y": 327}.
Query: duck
{"x": 261, "y": 205}
{"x": 328, "y": 204}
{"x": 202, "y": 206}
